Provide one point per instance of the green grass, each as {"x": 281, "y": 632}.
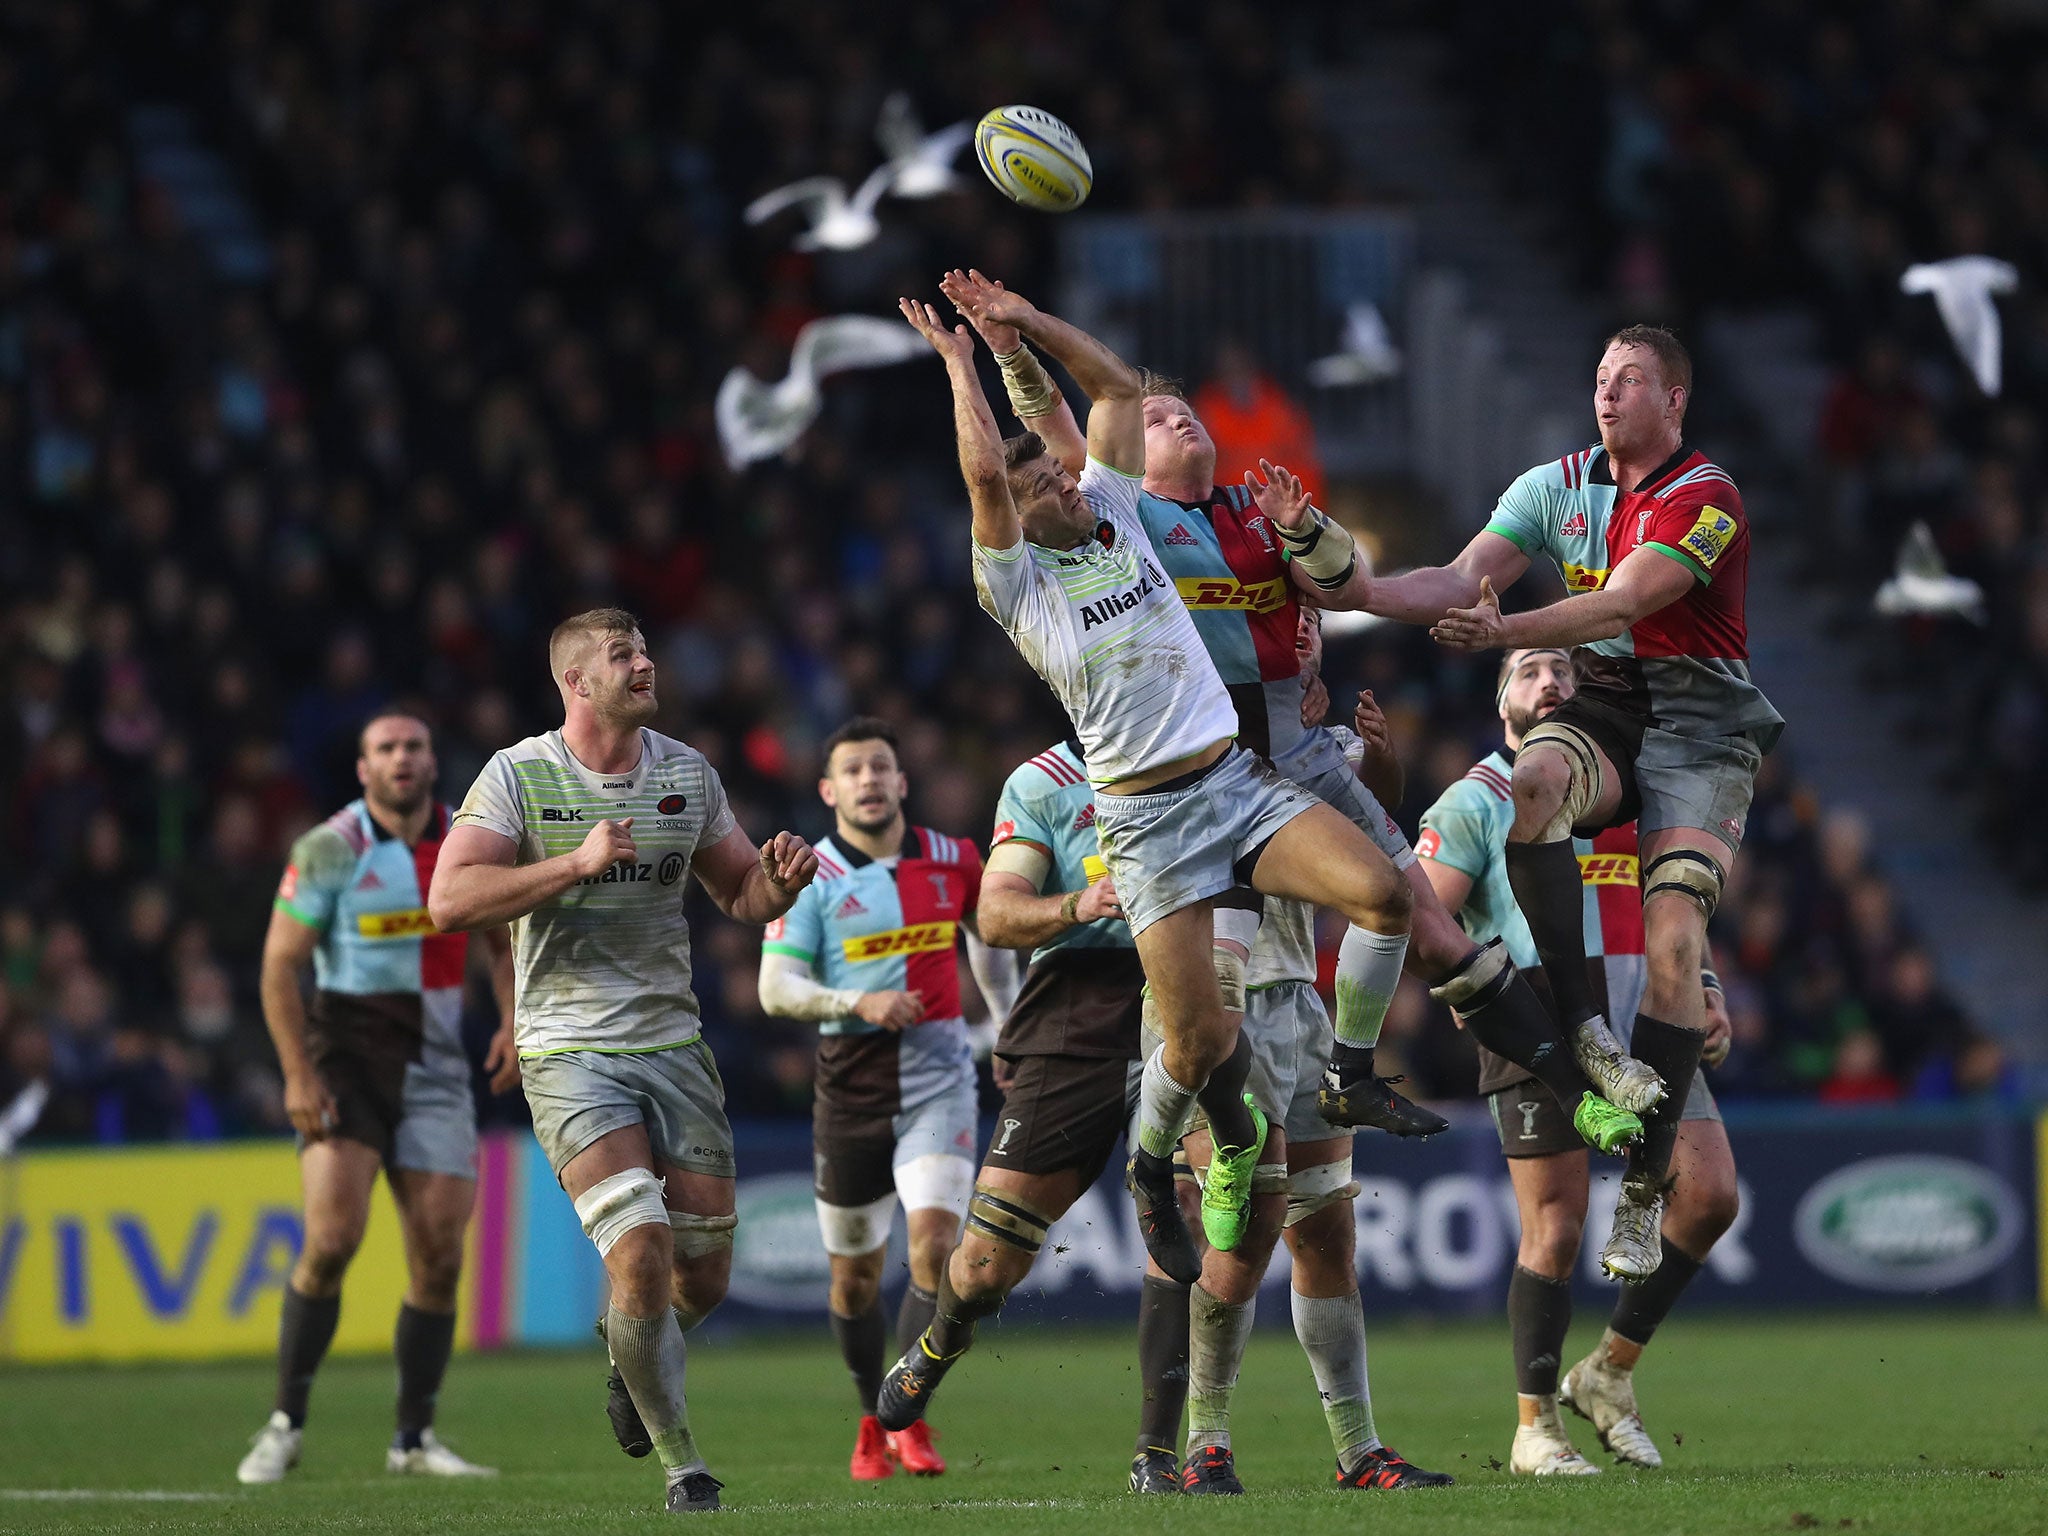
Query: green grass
{"x": 1928, "y": 1423}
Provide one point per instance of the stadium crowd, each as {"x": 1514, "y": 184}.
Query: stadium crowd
{"x": 472, "y": 393}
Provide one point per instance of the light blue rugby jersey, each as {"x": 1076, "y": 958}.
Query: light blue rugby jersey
{"x": 1049, "y": 801}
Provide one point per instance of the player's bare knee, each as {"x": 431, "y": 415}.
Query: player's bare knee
{"x": 324, "y": 1261}
{"x": 436, "y": 1277}
{"x": 1704, "y": 1205}
{"x": 1550, "y": 1240}
{"x": 700, "y": 1285}
{"x": 928, "y": 1261}
{"x": 639, "y": 1266}
{"x": 1542, "y": 778}
{"x": 852, "y": 1295}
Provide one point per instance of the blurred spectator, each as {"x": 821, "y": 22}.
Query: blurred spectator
{"x": 1251, "y": 418}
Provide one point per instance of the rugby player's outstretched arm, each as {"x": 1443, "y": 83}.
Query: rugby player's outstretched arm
{"x": 478, "y": 882}
{"x": 1425, "y": 595}
{"x": 1116, "y": 390}
{"x": 755, "y": 885}
{"x": 1644, "y": 582}
{"x": 974, "y": 424}
{"x": 1061, "y": 433}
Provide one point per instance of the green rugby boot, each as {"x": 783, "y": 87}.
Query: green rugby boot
{"x": 1606, "y": 1126}
{"x": 1227, "y": 1190}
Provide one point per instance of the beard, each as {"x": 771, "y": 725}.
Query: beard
{"x": 400, "y": 802}
{"x": 874, "y": 820}
{"x": 1522, "y": 721}
{"x": 625, "y": 707}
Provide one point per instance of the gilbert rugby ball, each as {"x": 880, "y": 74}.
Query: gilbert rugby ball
{"x": 1034, "y": 159}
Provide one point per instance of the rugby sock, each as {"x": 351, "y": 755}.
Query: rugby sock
{"x": 1673, "y": 1053}
{"x": 914, "y": 1315}
{"x": 1162, "y": 1363}
{"x": 1332, "y": 1334}
{"x": 1642, "y": 1307}
{"x": 422, "y": 1343}
{"x": 1217, "y": 1333}
{"x": 1545, "y": 879}
{"x": 861, "y": 1342}
{"x": 1539, "y": 1315}
{"x": 954, "y": 1317}
{"x": 1222, "y": 1099}
{"x": 651, "y": 1357}
{"x": 303, "y": 1334}
{"x": 1368, "y": 971}
{"x": 1164, "y": 1108}
{"x": 1517, "y": 1025}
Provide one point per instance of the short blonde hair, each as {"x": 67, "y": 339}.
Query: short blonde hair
{"x": 574, "y": 635}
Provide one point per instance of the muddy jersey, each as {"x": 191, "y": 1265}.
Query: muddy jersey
{"x": 1467, "y": 829}
{"x": 1108, "y": 632}
{"x": 605, "y": 966}
{"x": 386, "y": 982}
{"x": 1684, "y": 668}
{"x": 887, "y": 925}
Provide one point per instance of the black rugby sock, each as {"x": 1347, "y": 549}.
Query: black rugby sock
{"x": 1162, "y": 1363}
{"x": 1546, "y": 883}
{"x": 1673, "y": 1053}
{"x": 304, "y": 1331}
{"x": 861, "y": 1342}
{"x": 1222, "y": 1098}
{"x": 953, "y": 1320}
{"x": 1517, "y": 1025}
{"x": 1539, "y": 1316}
{"x": 422, "y": 1342}
{"x": 1642, "y": 1307}
{"x": 914, "y": 1315}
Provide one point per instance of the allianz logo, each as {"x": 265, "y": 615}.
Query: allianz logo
{"x": 1909, "y": 1223}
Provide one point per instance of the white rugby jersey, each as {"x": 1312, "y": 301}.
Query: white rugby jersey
{"x": 1106, "y": 628}
{"x": 605, "y": 966}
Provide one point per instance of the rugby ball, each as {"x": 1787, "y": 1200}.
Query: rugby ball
{"x": 1034, "y": 159}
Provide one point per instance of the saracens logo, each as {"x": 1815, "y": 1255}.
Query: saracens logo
{"x": 671, "y": 805}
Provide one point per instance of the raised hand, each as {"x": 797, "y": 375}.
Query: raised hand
{"x": 1371, "y": 725}
{"x": 606, "y": 844}
{"x": 1280, "y": 495}
{"x": 1478, "y": 628}
{"x": 788, "y": 862}
{"x": 956, "y": 344}
{"x": 987, "y": 302}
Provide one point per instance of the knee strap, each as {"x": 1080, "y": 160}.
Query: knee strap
{"x": 1312, "y": 1189}
{"x": 1583, "y": 790}
{"x": 1002, "y": 1217}
{"x": 612, "y": 1207}
{"x": 1688, "y": 872}
{"x": 848, "y": 1231}
{"x": 696, "y": 1236}
{"x": 1486, "y": 973}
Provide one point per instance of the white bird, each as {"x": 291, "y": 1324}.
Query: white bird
{"x": 1923, "y": 585}
{"x": 922, "y": 162}
{"x": 1962, "y": 287}
{"x": 1369, "y": 354}
{"x": 20, "y": 1116}
{"x": 758, "y": 420}
{"x": 838, "y": 222}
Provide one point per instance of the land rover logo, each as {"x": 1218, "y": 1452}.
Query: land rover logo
{"x": 1911, "y": 1223}
{"x": 778, "y": 1259}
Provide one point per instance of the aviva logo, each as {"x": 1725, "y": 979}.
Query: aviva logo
{"x": 899, "y": 941}
{"x": 395, "y": 925}
{"x": 1581, "y": 578}
{"x": 1608, "y": 869}
{"x": 1228, "y": 592}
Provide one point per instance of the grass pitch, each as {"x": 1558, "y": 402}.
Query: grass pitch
{"x": 1896, "y": 1424}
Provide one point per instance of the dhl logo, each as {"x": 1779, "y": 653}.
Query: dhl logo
{"x": 1582, "y": 578}
{"x": 1227, "y": 592}
{"x": 899, "y": 941}
{"x": 395, "y": 925}
{"x": 1608, "y": 869}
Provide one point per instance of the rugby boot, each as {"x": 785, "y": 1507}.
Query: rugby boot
{"x": 1544, "y": 1450}
{"x": 1385, "y": 1467}
{"x": 1210, "y": 1470}
{"x": 1160, "y": 1223}
{"x": 1606, "y": 1126}
{"x": 1371, "y": 1101}
{"x": 693, "y": 1493}
{"x": 273, "y": 1451}
{"x": 908, "y": 1385}
{"x": 1155, "y": 1470}
{"x": 1621, "y": 1079}
{"x": 1635, "y": 1247}
{"x": 914, "y": 1451}
{"x": 1227, "y": 1190}
{"x": 432, "y": 1458}
{"x": 871, "y": 1459}
{"x": 627, "y": 1426}
{"x": 1606, "y": 1398}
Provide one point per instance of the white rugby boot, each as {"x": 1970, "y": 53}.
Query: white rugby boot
{"x": 1621, "y": 1079}
{"x": 273, "y": 1451}
{"x": 1543, "y": 1449}
{"x": 1606, "y": 1398}
{"x": 1636, "y": 1247}
{"x": 433, "y": 1459}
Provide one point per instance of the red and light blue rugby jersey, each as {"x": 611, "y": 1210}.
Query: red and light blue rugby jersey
{"x": 1467, "y": 829}
{"x": 881, "y": 925}
{"x": 380, "y": 967}
{"x": 1685, "y": 667}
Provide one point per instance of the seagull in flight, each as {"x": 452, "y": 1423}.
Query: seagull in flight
{"x": 1923, "y": 584}
{"x": 757, "y": 420}
{"x": 923, "y": 161}
{"x": 1962, "y": 287}
{"x": 919, "y": 165}
{"x": 1369, "y": 354}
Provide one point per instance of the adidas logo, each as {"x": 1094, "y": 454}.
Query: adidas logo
{"x": 1086, "y": 819}
{"x": 370, "y": 882}
{"x": 1574, "y": 526}
{"x": 1180, "y": 535}
{"x": 851, "y": 907}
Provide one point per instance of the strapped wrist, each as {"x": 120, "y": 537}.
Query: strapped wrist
{"x": 1070, "y": 908}
{"x": 1030, "y": 388}
{"x": 1322, "y": 548}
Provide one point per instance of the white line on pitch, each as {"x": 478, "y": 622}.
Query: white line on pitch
{"x": 132, "y": 1495}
